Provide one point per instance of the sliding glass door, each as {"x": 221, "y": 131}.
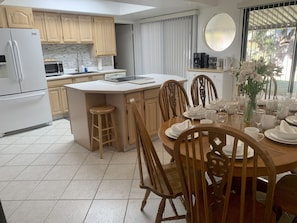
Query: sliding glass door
{"x": 270, "y": 32}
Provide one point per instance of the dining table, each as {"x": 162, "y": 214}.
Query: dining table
{"x": 284, "y": 155}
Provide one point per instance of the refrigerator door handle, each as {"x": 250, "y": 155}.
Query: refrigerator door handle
{"x": 15, "y": 43}
{"x": 13, "y": 57}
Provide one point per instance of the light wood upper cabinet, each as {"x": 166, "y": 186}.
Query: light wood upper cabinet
{"x": 85, "y": 24}
{"x": 19, "y": 17}
{"x": 39, "y": 24}
{"x": 70, "y": 28}
{"x": 3, "y": 21}
{"x": 105, "y": 40}
{"x": 53, "y": 27}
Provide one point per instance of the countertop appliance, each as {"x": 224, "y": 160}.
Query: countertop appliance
{"x": 24, "y": 100}
{"x": 53, "y": 68}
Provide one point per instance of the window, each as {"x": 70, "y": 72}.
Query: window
{"x": 165, "y": 46}
{"x": 270, "y": 32}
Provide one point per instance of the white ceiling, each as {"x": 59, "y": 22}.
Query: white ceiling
{"x": 124, "y": 11}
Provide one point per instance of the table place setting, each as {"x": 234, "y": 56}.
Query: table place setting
{"x": 292, "y": 119}
{"x": 195, "y": 112}
{"x": 228, "y": 149}
{"x": 283, "y": 133}
{"x": 176, "y": 129}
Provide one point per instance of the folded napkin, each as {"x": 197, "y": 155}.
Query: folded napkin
{"x": 286, "y": 128}
{"x": 196, "y": 111}
{"x": 178, "y": 128}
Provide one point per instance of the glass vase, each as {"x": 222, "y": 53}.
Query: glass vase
{"x": 250, "y": 106}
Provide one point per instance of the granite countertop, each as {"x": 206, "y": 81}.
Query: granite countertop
{"x": 103, "y": 86}
{"x": 91, "y": 73}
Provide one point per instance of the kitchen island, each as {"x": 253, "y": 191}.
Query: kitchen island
{"x": 82, "y": 96}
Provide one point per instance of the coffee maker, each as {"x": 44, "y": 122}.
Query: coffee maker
{"x": 200, "y": 60}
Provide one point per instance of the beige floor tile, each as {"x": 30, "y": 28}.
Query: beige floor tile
{"x": 148, "y": 215}
{"x": 64, "y": 172}
{"x": 138, "y": 193}
{"x": 47, "y": 139}
{"x": 94, "y": 158}
{"x": 72, "y": 159}
{"x": 5, "y": 158}
{"x": 32, "y": 211}
{"x": 114, "y": 189}
{"x": 107, "y": 211}
{"x": 119, "y": 172}
{"x": 26, "y": 140}
{"x": 34, "y": 173}
{"x": 90, "y": 172}
{"x": 47, "y": 159}
{"x": 37, "y": 148}
{"x": 128, "y": 157}
{"x": 14, "y": 149}
{"x": 18, "y": 190}
{"x": 81, "y": 189}
{"x": 10, "y": 172}
{"x": 69, "y": 211}
{"x": 23, "y": 159}
{"x": 9, "y": 207}
{"x": 59, "y": 148}
{"x": 50, "y": 190}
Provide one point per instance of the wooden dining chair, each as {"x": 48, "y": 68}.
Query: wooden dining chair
{"x": 203, "y": 90}
{"x": 173, "y": 99}
{"x": 270, "y": 90}
{"x": 285, "y": 197}
{"x": 228, "y": 192}
{"x": 162, "y": 180}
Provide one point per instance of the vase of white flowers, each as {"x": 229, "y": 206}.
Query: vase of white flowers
{"x": 251, "y": 77}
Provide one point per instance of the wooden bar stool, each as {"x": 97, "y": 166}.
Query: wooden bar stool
{"x": 103, "y": 123}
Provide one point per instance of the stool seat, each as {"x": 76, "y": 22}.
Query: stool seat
{"x": 102, "y": 109}
{"x": 103, "y": 129}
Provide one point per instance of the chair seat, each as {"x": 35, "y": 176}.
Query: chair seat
{"x": 285, "y": 196}
{"x": 172, "y": 176}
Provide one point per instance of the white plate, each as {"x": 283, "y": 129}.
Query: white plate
{"x": 270, "y": 134}
{"x": 170, "y": 134}
{"x": 291, "y": 119}
{"x": 228, "y": 153}
{"x": 197, "y": 117}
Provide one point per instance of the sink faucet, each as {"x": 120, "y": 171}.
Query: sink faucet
{"x": 79, "y": 61}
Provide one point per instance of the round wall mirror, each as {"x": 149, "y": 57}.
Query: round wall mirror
{"x": 219, "y": 32}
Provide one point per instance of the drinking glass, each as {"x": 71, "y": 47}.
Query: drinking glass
{"x": 258, "y": 117}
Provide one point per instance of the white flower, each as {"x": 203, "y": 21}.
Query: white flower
{"x": 252, "y": 75}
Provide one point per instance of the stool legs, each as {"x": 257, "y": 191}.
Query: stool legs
{"x": 105, "y": 127}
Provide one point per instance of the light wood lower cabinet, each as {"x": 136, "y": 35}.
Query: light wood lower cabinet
{"x": 58, "y": 97}
{"x": 148, "y": 105}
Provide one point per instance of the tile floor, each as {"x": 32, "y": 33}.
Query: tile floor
{"x": 46, "y": 177}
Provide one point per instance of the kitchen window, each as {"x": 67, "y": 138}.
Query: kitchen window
{"x": 270, "y": 31}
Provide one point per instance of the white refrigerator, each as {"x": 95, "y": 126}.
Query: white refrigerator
{"x": 24, "y": 100}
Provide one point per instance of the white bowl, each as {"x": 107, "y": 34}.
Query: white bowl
{"x": 285, "y": 135}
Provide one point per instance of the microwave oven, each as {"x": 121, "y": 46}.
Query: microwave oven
{"x": 53, "y": 68}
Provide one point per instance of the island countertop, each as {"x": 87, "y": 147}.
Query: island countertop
{"x": 105, "y": 87}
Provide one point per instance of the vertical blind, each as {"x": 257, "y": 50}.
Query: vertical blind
{"x": 270, "y": 32}
{"x": 165, "y": 46}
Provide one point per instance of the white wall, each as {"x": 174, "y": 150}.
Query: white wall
{"x": 227, "y": 6}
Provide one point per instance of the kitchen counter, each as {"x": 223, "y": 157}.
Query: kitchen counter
{"x": 91, "y": 73}
{"x": 103, "y": 86}
{"x": 82, "y": 96}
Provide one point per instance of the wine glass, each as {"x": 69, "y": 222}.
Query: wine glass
{"x": 258, "y": 116}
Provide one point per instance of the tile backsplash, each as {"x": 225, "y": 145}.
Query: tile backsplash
{"x": 72, "y": 54}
